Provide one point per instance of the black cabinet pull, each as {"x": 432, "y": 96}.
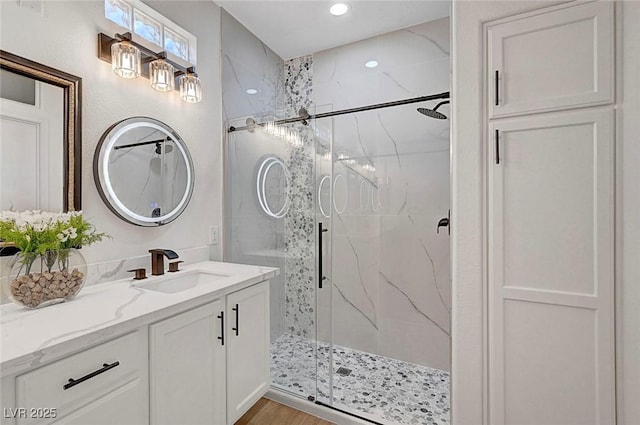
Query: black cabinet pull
{"x": 105, "y": 367}
{"x": 321, "y": 276}
{"x": 237, "y": 328}
{"x": 221, "y": 317}
{"x": 497, "y": 146}
{"x": 497, "y": 88}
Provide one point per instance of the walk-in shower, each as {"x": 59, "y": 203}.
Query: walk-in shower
{"x": 342, "y": 227}
{"x": 332, "y": 176}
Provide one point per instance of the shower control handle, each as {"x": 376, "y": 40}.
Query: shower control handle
{"x": 321, "y": 276}
{"x": 444, "y": 222}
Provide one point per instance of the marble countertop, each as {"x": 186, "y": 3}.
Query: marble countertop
{"x": 30, "y": 338}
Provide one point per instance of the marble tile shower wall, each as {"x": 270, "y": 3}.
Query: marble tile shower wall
{"x": 247, "y": 63}
{"x": 390, "y": 270}
{"x": 252, "y": 237}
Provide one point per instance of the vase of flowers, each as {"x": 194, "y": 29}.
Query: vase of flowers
{"x": 49, "y": 269}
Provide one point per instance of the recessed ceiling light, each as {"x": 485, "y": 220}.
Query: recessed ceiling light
{"x": 371, "y": 64}
{"x": 252, "y": 91}
{"x": 338, "y": 9}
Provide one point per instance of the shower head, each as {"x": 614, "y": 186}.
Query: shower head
{"x": 433, "y": 113}
{"x": 159, "y": 148}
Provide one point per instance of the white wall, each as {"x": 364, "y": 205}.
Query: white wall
{"x": 65, "y": 38}
{"x": 468, "y": 209}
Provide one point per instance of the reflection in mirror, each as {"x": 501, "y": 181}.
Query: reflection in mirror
{"x": 40, "y": 138}
{"x": 31, "y": 144}
{"x": 144, "y": 171}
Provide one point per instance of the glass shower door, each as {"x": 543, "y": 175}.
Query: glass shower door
{"x": 271, "y": 214}
{"x": 323, "y": 136}
{"x": 384, "y": 310}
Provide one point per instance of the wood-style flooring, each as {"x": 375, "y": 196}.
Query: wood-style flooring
{"x": 268, "y": 412}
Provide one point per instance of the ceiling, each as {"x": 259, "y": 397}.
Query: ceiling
{"x": 298, "y": 28}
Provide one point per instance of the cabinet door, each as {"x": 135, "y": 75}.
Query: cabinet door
{"x": 248, "y": 349}
{"x": 551, "y": 282}
{"x": 555, "y": 60}
{"x": 187, "y": 361}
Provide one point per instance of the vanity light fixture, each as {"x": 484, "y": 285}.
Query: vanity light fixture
{"x": 125, "y": 58}
{"x": 130, "y": 59}
{"x": 371, "y": 64}
{"x": 338, "y": 9}
{"x": 190, "y": 87}
{"x": 162, "y": 74}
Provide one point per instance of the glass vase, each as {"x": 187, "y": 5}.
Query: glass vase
{"x": 39, "y": 280}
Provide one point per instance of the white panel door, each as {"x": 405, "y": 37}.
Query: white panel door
{"x": 551, "y": 282}
{"x": 555, "y": 60}
{"x": 187, "y": 364}
{"x": 31, "y": 151}
{"x": 248, "y": 357}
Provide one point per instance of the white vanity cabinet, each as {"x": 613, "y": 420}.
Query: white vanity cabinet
{"x": 206, "y": 363}
{"x": 191, "y": 383}
{"x": 247, "y": 349}
{"x": 187, "y": 364}
{"x": 106, "y": 384}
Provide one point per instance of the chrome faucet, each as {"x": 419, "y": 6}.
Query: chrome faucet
{"x": 157, "y": 260}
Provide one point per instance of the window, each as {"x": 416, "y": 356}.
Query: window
{"x": 145, "y": 22}
{"x": 148, "y": 28}
{"x": 176, "y": 44}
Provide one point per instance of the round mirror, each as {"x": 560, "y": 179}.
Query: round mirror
{"x": 143, "y": 171}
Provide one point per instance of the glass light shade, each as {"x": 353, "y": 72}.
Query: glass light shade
{"x": 125, "y": 60}
{"x": 190, "y": 88}
{"x": 161, "y": 75}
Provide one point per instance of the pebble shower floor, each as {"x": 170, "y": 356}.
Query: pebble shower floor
{"x": 378, "y": 387}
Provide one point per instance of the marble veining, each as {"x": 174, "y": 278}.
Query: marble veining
{"x": 31, "y": 338}
{"x": 364, "y": 288}
{"x": 352, "y": 304}
{"x": 395, "y": 145}
{"x": 413, "y": 304}
{"x": 383, "y": 388}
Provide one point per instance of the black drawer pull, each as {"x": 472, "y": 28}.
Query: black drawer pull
{"x": 105, "y": 367}
{"x": 221, "y": 317}
{"x": 237, "y": 328}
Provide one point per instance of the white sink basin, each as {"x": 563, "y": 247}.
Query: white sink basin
{"x": 181, "y": 281}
